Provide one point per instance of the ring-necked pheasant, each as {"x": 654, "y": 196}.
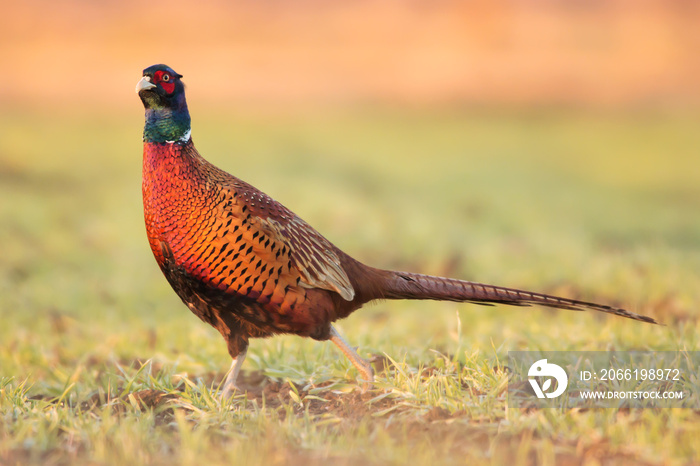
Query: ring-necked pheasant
{"x": 250, "y": 267}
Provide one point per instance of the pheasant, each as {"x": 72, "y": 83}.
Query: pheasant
{"x": 251, "y": 268}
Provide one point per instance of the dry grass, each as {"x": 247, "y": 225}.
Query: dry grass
{"x": 100, "y": 363}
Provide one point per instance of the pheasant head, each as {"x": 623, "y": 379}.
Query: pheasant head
{"x": 163, "y": 95}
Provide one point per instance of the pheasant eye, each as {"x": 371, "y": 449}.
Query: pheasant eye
{"x": 166, "y": 78}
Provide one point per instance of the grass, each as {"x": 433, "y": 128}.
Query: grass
{"x": 100, "y": 363}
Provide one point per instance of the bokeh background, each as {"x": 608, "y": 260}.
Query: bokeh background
{"x": 613, "y": 54}
{"x": 547, "y": 145}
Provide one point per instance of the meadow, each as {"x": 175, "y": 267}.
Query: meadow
{"x": 100, "y": 363}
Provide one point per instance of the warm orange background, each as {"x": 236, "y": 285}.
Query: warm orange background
{"x": 597, "y": 53}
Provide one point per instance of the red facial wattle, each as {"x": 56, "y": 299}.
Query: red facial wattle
{"x": 165, "y": 80}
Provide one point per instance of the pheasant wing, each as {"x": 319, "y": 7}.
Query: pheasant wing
{"x": 313, "y": 256}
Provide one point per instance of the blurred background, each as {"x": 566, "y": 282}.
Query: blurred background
{"x": 601, "y": 54}
{"x": 541, "y": 144}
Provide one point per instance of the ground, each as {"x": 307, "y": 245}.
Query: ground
{"x": 100, "y": 363}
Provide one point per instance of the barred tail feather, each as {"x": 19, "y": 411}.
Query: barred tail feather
{"x": 402, "y": 285}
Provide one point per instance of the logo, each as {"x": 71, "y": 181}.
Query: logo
{"x": 542, "y": 368}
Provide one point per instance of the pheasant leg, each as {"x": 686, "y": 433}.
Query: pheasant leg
{"x": 230, "y": 383}
{"x": 362, "y": 365}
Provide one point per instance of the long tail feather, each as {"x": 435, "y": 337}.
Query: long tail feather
{"x": 403, "y": 285}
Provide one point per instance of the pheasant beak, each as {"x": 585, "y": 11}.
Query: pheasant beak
{"x": 144, "y": 83}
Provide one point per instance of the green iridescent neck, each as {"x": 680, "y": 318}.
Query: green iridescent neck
{"x": 167, "y": 125}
